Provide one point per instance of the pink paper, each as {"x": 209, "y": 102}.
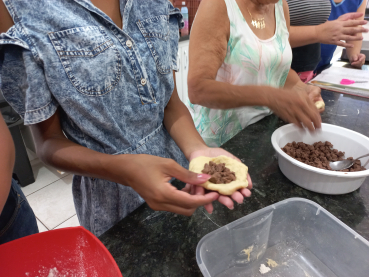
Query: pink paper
{"x": 347, "y": 82}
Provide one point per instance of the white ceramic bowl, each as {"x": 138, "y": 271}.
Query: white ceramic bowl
{"x": 316, "y": 179}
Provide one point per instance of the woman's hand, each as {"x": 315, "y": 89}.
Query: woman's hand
{"x": 345, "y": 28}
{"x": 237, "y": 196}
{"x": 296, "y": 105}
{"x": 357, "y": 60}
{"x": 149, "y": 176}
{"x": 314, "y": 94}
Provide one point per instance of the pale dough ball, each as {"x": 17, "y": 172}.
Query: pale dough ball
{"x": 240, "y": 170}
{"x": 319, "y": 105}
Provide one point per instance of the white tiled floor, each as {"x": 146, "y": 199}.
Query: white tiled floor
{"x": 41, "y": 227}
{"x": 44, "y": 176}
{"x": 73, "y": 221}
{"x": 50, "y": 196}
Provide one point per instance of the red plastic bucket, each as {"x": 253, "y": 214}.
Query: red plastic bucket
{"x": 70, "y": 252}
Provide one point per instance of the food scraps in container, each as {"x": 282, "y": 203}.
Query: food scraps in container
{"x": 264, "y": 269}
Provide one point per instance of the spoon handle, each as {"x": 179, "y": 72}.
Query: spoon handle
{"x": 362, "y": 157}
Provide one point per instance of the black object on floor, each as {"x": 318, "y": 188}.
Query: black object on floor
{"x": 22, "y": 169}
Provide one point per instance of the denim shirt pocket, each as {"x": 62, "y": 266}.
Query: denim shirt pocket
{"x": 90, "y": 59}
{"x": 156, "y": 33}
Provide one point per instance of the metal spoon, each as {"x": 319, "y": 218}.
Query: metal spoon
{"x": 339, "y": 165}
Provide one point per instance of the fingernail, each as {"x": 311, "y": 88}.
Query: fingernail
{"x": 203, "y": 177}
{"x": 232, "y": 208}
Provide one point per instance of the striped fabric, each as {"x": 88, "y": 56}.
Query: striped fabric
{"x": 309, "y": 12}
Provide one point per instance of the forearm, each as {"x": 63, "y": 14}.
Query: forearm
{"x": 220, "y": 95}
{"x": 303, "y": 35}
{"x": 292, "y": 80}
{"x": 7, "y": 159}
{"x": 68, "y": 156}
{"x": 293, "y": 83}
{"x": 354, "y": 50}
{"x": 179, "y": 124}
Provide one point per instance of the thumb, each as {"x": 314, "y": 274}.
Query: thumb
{"x": 349, "y": 16}
{"x": 314, "y": 91}
{"x": 187, "y": 176}
{"x": 315, "y": 96}
{"x": 354, "y": 58}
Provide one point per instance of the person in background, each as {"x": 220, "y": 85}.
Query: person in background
{"x": 240, "y": 69}
{"x": 340, "y": 9}
{"x": 94, "y": 80}
{"x": 17, "y": 219}
{"x": 310, "y": 27}
{"x": 307, "y": 18}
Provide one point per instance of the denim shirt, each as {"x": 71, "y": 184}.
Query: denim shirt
{"x": 111, "y": 84}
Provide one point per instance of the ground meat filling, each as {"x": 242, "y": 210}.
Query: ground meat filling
{"x": 220, "y": 174}
{"x": 319, "y": 155}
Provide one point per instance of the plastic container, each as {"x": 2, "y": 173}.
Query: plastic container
{"x": 64, "y": 252}
{"x": 316, "y": 179}
{"x": 184, "y": 11}
{"x": 301, "y": 237}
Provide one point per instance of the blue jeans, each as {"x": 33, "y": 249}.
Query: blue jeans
{"x": 17, "y": 219}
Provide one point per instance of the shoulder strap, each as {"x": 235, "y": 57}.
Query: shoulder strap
{"x": 232, "y": 9}
{"x": 279, "y": 13}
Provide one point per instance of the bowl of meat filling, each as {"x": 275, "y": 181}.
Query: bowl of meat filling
{"x": 304, "y": 157}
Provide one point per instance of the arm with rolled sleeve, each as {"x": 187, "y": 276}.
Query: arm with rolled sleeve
{"x": 24, "y": 86}
{"x": 24, "y": 83}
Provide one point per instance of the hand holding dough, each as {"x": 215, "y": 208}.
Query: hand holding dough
{"x": 320, "y": 105}
{"x": 240, "y": 170}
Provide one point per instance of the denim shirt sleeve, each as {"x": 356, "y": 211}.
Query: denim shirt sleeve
{"x": 22, "y": 79}
{"x": 175, "y": 23}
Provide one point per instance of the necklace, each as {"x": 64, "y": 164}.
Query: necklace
{"x": 257, "y": 23}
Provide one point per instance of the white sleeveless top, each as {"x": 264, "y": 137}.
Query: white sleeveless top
{"x": 249, "y": 61}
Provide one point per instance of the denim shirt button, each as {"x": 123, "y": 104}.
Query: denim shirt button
{"x": 143, "y": 82}
{"x": 129, "y": 43}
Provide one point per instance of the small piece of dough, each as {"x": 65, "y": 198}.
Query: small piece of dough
{"x": 264, "y": 269}
{"x": 320, "y": 105}
{"x": 240, "y": 170}
{"x": 271, "y": 263}
{"x": 248, "y": 251}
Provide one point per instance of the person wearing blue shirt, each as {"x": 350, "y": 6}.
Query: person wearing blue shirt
{"x": 339, "y": 8}
{"x": 94, "y": 80}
